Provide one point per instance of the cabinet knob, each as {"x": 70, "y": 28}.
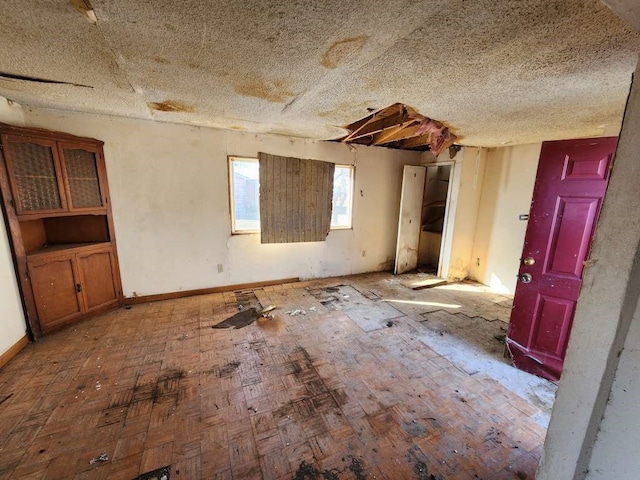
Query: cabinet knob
{"x": 78, "y": 287}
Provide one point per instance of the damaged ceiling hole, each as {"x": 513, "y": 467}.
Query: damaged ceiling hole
{"x": 402, "y": 127}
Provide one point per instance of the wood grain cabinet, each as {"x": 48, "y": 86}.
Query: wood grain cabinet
{"x": 56, "y": 204}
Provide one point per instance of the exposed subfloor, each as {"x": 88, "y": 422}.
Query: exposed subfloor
{"x": 353, "y": 377}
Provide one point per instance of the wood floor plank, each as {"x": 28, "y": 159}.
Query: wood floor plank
{"x": 318, "y": 392}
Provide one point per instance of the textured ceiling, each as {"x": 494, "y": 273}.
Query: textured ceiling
{"x": 509, "y": 71}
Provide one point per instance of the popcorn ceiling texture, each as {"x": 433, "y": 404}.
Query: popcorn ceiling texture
{"x": 499, "y": 72}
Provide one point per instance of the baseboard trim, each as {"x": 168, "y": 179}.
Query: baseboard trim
{"x": 13, "y": 351}
{"x": 205, "y": 291}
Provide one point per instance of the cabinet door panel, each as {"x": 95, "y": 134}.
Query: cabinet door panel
{"x": 54, "y": 288}
{"x": 34, "y": 174}
{"x": 82, "y": 174}
{"x": 97, "y": 277}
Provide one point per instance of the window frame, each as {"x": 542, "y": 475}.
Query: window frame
{"x": 232, "y": 205}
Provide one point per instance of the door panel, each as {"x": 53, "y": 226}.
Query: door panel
{"x": 409, "y": 223}
{"x": 97, "y": 277}
{"x": 550, "y": 317}
{"x": 572, "y": 225}
{"x": 570, "y": 186}
{"x": 54, "y": 288}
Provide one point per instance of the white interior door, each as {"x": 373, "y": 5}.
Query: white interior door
{"x": 410, "y": 219}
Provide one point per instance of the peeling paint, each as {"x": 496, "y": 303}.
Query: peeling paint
{"x": 343, "y": 50}
{"x": 277, "y": 91}
{"x": 170, "y": 106}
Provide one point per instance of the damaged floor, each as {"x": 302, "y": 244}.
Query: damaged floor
{"x": 355, "y": 377}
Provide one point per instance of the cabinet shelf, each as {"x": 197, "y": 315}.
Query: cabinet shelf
{"x": 63, "y": 247}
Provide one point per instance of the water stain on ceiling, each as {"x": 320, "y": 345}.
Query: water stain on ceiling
{"x": 170, "y": 106}
{"x": 343, "y": 50}
{"x": 277, "y": 91}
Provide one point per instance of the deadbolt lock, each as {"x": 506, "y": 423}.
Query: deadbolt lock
{"x": 529, "y": 261}
{"x": 526, "y": 278}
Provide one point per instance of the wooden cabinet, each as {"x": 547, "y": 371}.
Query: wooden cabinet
{"x": 54, "y": 280}
{"x": 56, "y": 202}
{"x": 77, "y": 281}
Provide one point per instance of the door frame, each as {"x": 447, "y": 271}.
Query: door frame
{"x": 447, "y": 230}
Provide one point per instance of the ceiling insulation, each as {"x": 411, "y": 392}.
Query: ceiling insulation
{"x": 499, "y": 71}
{"x": 400, "y": 126}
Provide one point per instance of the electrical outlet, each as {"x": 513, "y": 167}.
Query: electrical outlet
{"x": 220, "y": 268}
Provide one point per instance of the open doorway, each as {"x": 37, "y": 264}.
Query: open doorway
{"x": 435, "y": 201}
{"x": 422, "y": 226}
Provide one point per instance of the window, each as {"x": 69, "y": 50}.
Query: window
{"x": 342, "y": 197}
{"x": 245, "y": 195}
{"x": 244, "y": 175}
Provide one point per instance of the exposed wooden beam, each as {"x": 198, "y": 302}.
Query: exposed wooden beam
{"x": 419, "y": 141}
{"x": 378, "y": 121}
{"x": 436, "y": 143}
{"x": 400, "y": 132}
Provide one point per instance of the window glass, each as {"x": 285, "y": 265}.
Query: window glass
{"x": 342, "y": 197}
{"x": 245, "y": 194}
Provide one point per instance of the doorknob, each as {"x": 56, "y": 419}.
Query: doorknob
{"x": 526, "y": 278}
{"x": 529, "y": 261}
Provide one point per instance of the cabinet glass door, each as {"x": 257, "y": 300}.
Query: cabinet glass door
{"x": 33, "y": 174}
{"x": 83, "y": 177}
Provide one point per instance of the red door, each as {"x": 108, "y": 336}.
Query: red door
{"x": 570, "y": 185}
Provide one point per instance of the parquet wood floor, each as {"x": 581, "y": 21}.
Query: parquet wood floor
{"x": 303, "y": 397}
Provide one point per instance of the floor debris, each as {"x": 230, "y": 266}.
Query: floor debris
{"x": 264, "y": 311}
{"x": 430, "y": 281}
{"x": 369, "y": 314}
{"x": 239, "y": 320}
{"x": 159, "y": 474}
{"x": 103, "y": 457}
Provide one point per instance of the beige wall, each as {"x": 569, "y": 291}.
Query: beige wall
{"x": 170, "y": 202}
{"x": 615, "y": 449}
{"x": 470, "y": 177}
{"x": 12, "y": 322}
{"x": 507, "y": 187}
